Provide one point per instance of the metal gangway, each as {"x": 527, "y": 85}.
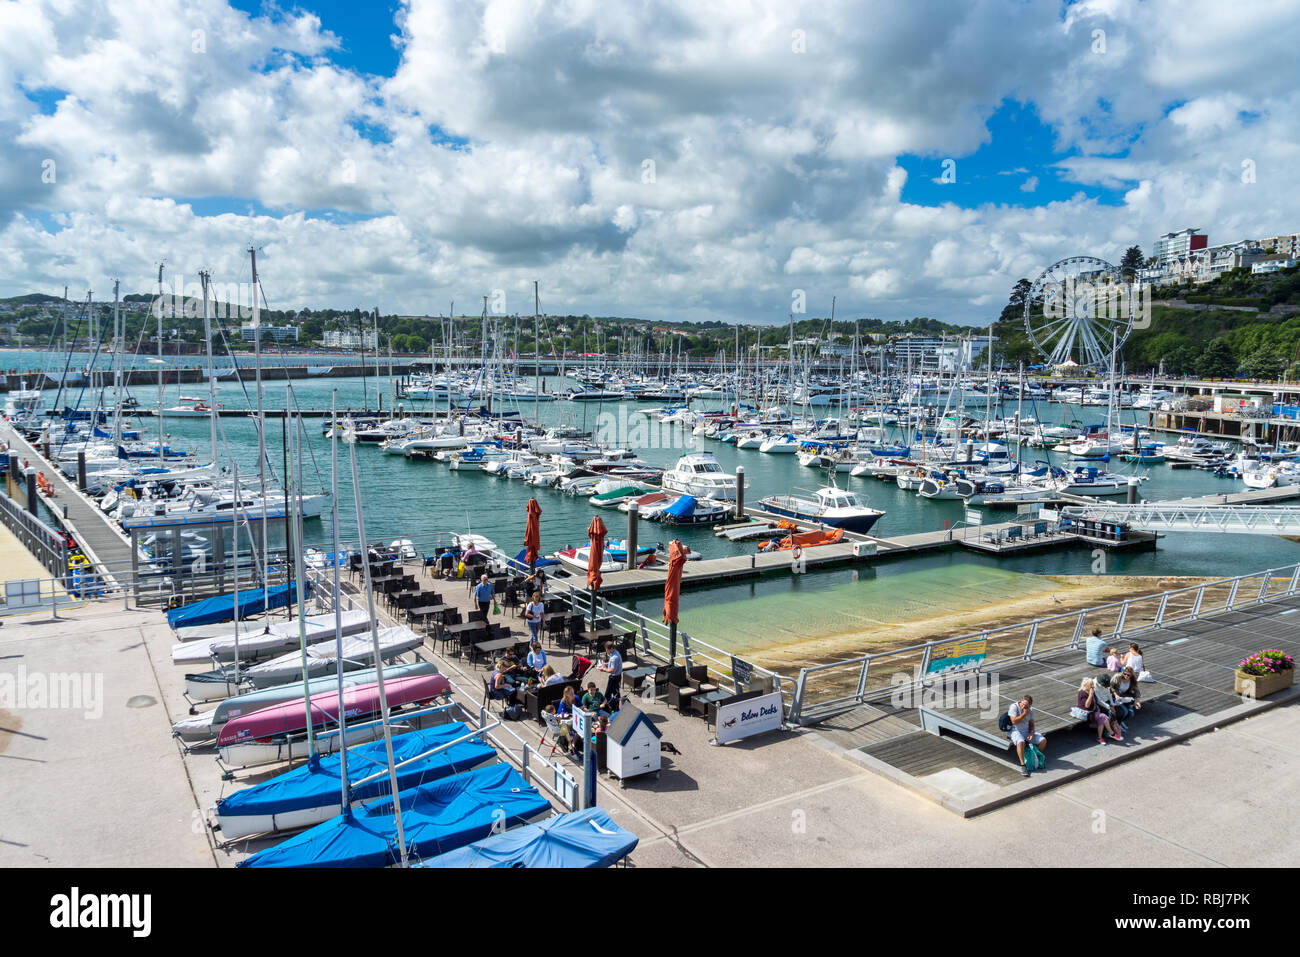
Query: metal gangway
{"x": 1175, "y": 517}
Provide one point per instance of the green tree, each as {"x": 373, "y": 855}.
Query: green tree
{"x": 1217, "y": 360}
{"x": 1132, "y": 262}
{"x": 1263, "y": 363}
{"x": 1015, "y": 307}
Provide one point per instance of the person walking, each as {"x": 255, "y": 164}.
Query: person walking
{"x": 535, "y": 614}
{"x": 483, "y": 595}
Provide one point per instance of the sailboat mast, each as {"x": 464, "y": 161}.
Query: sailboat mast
{"x": 297, "y": 565}
{"x": 338, "y": 597}
{"x": 379, "y": 664}
{"x": 212, "y": 375}
{"x": 261, "y": 435}
{"x": 537, "y": 357}
{"x": 160, "y": 370}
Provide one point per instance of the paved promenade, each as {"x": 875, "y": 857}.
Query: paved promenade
{"x": 115, "y": 789}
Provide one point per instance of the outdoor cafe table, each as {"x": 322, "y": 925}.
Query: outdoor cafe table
{"x": 594, "y": 638}
{"x": 700, "y": 702}
{"x": 487, "y": 647}
{"x": 635, "y": 677}
{"x": 459, "y": 632}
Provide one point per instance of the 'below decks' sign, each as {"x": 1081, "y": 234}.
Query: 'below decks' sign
{"x": 749, "y": 717}
{"x": 957, "y": 655}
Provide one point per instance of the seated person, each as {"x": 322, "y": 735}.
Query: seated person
{"x": 1124, "y": 689}
{"x": 502, "y": 686}
{"x": 1113, "y": 663}
{"x": 593, "y": 700}
{"x": 564, "y": 707}
{"x": 1097, "y": 718}
{"x": 1022, "y": 731}
{"x": 549, "y": 676}
{"x": 446, "y": 564}
{"x": 1095, "y": 649}
{"x": 1117, "y": 710}
{"x": 537, "y": 657}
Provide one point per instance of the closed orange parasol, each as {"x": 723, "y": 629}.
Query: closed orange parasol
{"x": 673, "y": 586}
{"x": 596, "y": 531}
{"x": 533, "y": 533}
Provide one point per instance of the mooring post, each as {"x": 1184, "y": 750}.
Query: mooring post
{"x": 740, "y": 491}
{"x": 633, "y": 511}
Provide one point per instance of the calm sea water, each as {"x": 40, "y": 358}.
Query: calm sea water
{"x": 421, "y": 500}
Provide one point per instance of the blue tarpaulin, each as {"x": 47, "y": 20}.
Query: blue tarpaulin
{"x": 579, "y": 839}
{"x": 436, "y": 818}
{"x": 308, "y": 787}
{"x": 519, "y": 561}
{"x": 212, "y": 611}
{"x": 684, "y": 507}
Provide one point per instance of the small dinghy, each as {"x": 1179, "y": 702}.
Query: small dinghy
{"x": 275, "y": 733}
{"x": 309, "y": 794}
{"x": 197, "y": 728}
{"x": 436, "y": 818}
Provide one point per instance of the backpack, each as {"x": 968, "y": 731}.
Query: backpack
{"x": 514, "y": 713}
{"x": 1004, "y": 723}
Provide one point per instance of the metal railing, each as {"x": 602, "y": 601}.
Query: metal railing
{"x": 45, "y": 544}
{"x": 825, "y": 690}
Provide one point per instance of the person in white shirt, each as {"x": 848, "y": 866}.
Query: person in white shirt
{"x": 1134, "y": 659}
{"x": 549, "y": 677}
{"x": 535, "y": 614}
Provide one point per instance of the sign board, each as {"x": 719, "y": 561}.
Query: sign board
{"x": 749, "y": 717}
{"x": 1027, "y": 510}
{"x": 1049, "y": 514}
{"x": 742, "y": 672}
{"x": 974, "y": 516}
{"x": 581, "y": 721}
{"x": 957, "y": 655}
{"x": 23, "y": 593}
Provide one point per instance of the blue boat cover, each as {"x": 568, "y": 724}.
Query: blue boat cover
{"x": 437, "y": 817}
{"x": 308, "y": 787}
{"x": 221, "y": 608}
{"x": 682, "y": 508}
{"x": 578, "y": 839}
{"x": 520, "y": 562}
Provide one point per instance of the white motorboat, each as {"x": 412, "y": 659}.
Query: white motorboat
{"x": 699, "y": 474}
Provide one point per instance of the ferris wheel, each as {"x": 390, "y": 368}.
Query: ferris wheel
{"x": 1077, "y": 310}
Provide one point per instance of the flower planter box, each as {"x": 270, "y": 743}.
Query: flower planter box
{"x": 1261, "y": 686}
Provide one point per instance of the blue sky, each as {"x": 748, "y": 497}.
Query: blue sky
{"x": 775, "y": 167}
{"x": 1016, "y": 166}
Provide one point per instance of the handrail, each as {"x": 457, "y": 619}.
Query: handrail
{"x": 1033, "y": 647}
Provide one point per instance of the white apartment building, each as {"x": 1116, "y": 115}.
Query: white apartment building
{"x": 347, "y": 339}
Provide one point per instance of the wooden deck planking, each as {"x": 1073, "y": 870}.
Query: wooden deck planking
{"x": 921, "y": 754}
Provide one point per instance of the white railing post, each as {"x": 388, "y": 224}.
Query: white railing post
{"x": 1263, "y": 588}
{"x": 1295, "y": 581}
{"x": 1119, "y": 622}
{"x": 1029, "y": 642}
{"x": 1196, "y": 606}
{"x": 1160, "y": 612}
{"x": 796, "y": 704}
{"x": 1078, "y": 628}
{"x": 862, "y": 678}
{"x": 1232, "y": 595}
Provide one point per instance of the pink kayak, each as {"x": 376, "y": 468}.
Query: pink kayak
{"x": 360, "y": 701}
